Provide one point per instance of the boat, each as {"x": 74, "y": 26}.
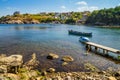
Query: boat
{"x": 84, "y": 39}
{"x": 71, "y": 32}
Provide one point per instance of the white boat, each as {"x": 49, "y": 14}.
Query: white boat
{"x": 84, "y": 39}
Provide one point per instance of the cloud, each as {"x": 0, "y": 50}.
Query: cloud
{"x": 63, "y": 7}
{"x": 84, "y": 6}
{"x": 87, "y": 8}
{"x": 81, "y": 3}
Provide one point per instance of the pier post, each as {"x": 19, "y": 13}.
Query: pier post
{"x": 86, "y": 46}
{"x": 96, "y": 49}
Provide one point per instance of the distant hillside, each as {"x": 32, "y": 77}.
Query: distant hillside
{"x": 105, "y": 17}
{"x": 67, "y": 18}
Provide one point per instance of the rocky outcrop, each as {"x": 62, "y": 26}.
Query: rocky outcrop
{"x": 20, "y": 22}
{"x": 52, "y": 56}
{"x": 67, "y": 58}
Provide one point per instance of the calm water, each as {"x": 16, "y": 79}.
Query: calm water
{"x": 53, "y": 38}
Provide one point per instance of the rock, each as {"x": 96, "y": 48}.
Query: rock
{"x": 52, "y": 56}
{"x": 68, "y": 78}
{"x": 67, "y": 59}
{"x": 2, "y": 55}
{"x": 64, "y": 63}
{"x": 111, "y": 78}
{"x": 44, "y": 73}
{"x": 10, "y": 76}
{"x": 35, "y": 22}
{"x": 13, "y": 60}
{"x": 90, "y": 67}
{"x": 32, "y": 63}
{"x": 3, "y": 68}
{"x": 14, "y": 22}
{"x": 51, "y": 70}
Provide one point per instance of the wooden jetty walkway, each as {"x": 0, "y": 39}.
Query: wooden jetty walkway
{"x": 104, "y": 48}
{"x": 90, "y": 46}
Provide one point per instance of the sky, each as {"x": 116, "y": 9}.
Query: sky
{"x": 8, "y": 7}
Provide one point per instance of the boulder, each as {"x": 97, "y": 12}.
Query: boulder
{"x": 67, "y": 59}
{"x": 52, "y": 56}
{"x": 13, "y": 60}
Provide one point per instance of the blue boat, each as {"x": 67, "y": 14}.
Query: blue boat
{"x": 84, "y": 39}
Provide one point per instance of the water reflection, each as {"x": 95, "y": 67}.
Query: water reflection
{"x": 29, "y": 28}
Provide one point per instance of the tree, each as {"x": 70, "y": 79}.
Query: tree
{"x": 109, "y": 16}
{"x": 70, "y": 21}
{"x": 16, "y": 13}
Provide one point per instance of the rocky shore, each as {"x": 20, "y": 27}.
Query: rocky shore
{"x": 14, "y": 68}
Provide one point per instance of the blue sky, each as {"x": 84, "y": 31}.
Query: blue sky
{"x": 36, "y": 6}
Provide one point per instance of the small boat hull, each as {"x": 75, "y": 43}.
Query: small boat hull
{"x": 71, "y": 32}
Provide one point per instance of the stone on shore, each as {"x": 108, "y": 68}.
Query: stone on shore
{"x": 13, "y": 60}
{"x": 51, "y": 70}
{"x": 52, "y": 56}
{"x": 67, "y": 58}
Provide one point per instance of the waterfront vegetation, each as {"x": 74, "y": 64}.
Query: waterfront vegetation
{"x": 104, "y": 16}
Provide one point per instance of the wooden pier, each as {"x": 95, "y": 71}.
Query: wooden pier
{"x": 96, "y": 47}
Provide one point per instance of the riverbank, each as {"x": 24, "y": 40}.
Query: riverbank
{"x": 29, "y": 70}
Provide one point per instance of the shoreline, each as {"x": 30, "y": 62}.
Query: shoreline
{"x": 99, "y": 26}
{"x": 28, "y": 71}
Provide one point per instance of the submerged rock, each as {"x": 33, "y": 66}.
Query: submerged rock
{"x": 67, "y": 59}
{"x": 52, "y": 56}
{"x": 90, "y": 67}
